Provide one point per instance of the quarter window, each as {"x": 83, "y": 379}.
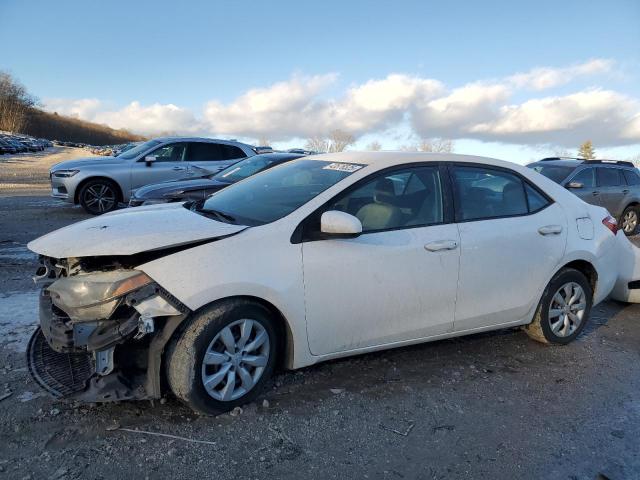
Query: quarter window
{"x": 229, "y": 152}
{"x": 535, "y": 199}
{"x": 404, "y": 198}
{"x": 631, "y": 177}
{"x": 586, "y": 177}
{"x": 608, "y": 177}
{"x": 482, "y": 193}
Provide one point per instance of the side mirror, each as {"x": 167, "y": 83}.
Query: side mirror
{"x": 575, "y": 185}
{"x": 337, "y": 224}
{"x": 149, "y": 159}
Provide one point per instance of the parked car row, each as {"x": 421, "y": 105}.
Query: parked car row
{"x": 614, "y": 185}
{"x": 316, "y": 258}
{"x": 10, "y": 144}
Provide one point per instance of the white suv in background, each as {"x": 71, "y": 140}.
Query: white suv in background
{"x": 100, "y": 183}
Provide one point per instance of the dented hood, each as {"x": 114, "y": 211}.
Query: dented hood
{"x": 131, "y": 231}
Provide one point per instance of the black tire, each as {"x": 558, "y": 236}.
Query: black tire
{"x": 187, "y": 351}
{"x": 99, "y": 196}
{"x": 631, "y": 226}
{"x": 540, "y": 328}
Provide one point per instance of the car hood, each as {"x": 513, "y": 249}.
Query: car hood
{"x": 131, "y": 231}
{"x": 87, "y": 162}
{"x": 156, "y": 190}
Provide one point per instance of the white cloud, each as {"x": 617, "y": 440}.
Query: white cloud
{"x": 305, "y": 106}
{"x": 545, "y": 77}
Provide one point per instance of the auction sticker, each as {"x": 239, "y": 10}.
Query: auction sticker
{"x": 343, "y": 167}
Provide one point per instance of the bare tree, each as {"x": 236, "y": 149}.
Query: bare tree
{"x": 374, "y": 146}
{"x": 436, "y": 145}
{"x": 339, "y": 140}
{"x": 15, "y": 103}
{"x": 263, "y": 141}
{"x": 317, "y": 144}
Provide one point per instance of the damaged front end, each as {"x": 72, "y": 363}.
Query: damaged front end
{"x": 103, "y": 328}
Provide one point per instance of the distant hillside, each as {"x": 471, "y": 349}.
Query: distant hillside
{"x": 42, "y": 124}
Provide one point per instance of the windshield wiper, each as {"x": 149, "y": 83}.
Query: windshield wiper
{"x": 225, "y": 217}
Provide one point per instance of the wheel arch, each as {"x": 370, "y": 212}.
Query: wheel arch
{"x": 76, "y": 194}
{"x": 285, "y": 353}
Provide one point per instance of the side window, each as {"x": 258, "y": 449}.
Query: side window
{"x": 486, "y": 193}
{"x": 204, "y": 151}
{"x": 400, "y": 199}
{"x": 174, "y": 152}
{"x": 535, "y": 199}
{"x": 230, "y": 152}
{"x": 608, "y": 177}
{"x": 586, "y": 177}
{"x": 631, "y": 177}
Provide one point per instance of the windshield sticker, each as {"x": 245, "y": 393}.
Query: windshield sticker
{"x": 343, "y": 167}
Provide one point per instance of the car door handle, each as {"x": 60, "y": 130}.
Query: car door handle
{"x": 441, "y": 245}
{"x": 550, "y": 230}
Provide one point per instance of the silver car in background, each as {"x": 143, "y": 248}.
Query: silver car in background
{"x": 99, "y": 184}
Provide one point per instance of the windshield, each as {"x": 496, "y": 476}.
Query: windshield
{"x": 244, "y": 169}
{"x": 557, "y": 173}
{"x": 276, "y": 192}
{"x": 135, "y": 151}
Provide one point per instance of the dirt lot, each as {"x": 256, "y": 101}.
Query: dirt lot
{"x": 487, "y": 406}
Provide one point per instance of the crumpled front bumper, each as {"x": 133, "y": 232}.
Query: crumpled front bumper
{"x": 627, "y": 286}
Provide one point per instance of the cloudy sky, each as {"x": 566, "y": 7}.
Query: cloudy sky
{"x": 514, "y": 80}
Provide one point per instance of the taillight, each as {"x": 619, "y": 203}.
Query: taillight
{"x": 610, "y": 223}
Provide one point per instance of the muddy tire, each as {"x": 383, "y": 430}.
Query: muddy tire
{"x": 223, "y": 357}
{"x": 563, "y": 310}
{"x": 99, "y": 196}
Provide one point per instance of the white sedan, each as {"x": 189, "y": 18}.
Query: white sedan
{"x": 323, "y": 257}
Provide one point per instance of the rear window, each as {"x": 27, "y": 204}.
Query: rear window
{"x": 557, "y": 173}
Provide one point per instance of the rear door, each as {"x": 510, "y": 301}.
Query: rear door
{"x": 212, "y": 157}
{"x": 613, "y": 189}
{"x": 512, "y": 238}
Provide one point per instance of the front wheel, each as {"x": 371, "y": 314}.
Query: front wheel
{"x": 99, "y": 196}
{"x": 629, "y": 221}
{"x": 224, "y": 356}
{"x": 564, "y": 308}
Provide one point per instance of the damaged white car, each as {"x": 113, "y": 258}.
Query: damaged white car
{"x": 322, "y": 257}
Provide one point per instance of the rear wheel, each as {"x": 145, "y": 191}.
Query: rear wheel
{"x": 224, "y": 356}
{"x": 99, "y": 196}
{"x": 564, "y": 308}
{"x": 629, "y": 221}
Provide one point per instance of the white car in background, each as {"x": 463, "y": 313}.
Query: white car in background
{"x": 322, "y": 257}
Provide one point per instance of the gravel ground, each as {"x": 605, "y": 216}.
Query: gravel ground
{"x": 488, "y": 406}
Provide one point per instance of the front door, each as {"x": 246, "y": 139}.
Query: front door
{"x": 395, "y": 282}
{"x": 169, "y": 164}
{"x": 613, "y": 190}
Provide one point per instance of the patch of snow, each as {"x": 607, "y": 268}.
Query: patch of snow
{"x": 18, "y": 319}
{"x": 16, "y": 252}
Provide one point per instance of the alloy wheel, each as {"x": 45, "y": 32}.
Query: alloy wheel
{"x": 235, "y": 360}
{"x": 567, "y": 309}
{"x": 629, "y": 221}
{"x": 100, "y": 198}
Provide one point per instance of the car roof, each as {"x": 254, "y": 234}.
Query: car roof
{"x": 398, "y": 158}
{"x": 559, "y": 163}
{"x": 198, "y": 139}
